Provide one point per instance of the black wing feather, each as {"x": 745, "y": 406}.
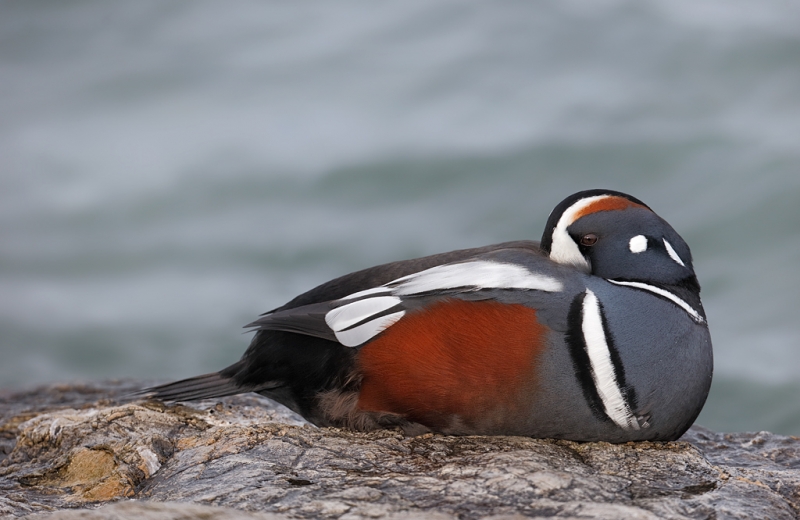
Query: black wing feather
{"x": 308, "y": 320}
{"x": 382, "y": 274}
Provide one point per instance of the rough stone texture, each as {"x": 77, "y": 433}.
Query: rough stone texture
{"x": 136, "y": 510}
{"x": 68, "y": 447}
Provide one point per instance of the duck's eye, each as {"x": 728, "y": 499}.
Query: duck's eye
{"x": 589, "y": 239}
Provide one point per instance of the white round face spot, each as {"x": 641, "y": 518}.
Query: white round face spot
{"x": 638, "y": 244}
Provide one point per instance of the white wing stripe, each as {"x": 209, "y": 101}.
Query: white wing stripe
{"x": 666, "y": 294}
{"x": 366, "y": 331}
{"x": 474, "y": 276}
{"x": 369, "y": 292}
{"x": 467, "y": 276}
{"x": 603, "y": 374}
{"x": 348, "y": 315}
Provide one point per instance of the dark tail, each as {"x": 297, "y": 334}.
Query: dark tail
{"x": 289, "y": 368}
{"x": 207, "y": 386}
{"x": 198, "y": 387}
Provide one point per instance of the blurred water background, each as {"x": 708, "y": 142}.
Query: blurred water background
{"x": 169, "y": 170}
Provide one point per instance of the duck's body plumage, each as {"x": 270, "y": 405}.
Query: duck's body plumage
{"x": 596, "y": 333}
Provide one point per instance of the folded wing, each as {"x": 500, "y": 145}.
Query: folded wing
{"x": 359, "y": 317}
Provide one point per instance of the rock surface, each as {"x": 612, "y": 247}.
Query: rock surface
{"x": 67, "y": 448}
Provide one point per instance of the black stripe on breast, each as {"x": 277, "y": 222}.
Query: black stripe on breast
{"x": 580, "y": 358}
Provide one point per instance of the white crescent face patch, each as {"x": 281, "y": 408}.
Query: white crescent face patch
{"x": 563, "y": 249}
{"x": 365, "y": 314}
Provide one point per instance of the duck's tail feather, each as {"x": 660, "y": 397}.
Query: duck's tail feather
{"x": 194, "y": 388}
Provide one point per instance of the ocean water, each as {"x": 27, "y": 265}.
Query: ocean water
{"x": 169, "y": 170}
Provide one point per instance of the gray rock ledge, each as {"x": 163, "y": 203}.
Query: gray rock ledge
{"x": 78, "y": 450}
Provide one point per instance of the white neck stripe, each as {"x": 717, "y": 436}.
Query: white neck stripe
{"x": 666, "y": 294}
{"x": 603, "y": 373}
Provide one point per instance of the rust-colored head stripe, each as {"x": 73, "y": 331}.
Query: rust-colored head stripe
{"x": 612, "y": 203}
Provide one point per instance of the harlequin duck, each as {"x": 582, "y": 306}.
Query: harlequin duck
{"x": 595, "y": 333}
